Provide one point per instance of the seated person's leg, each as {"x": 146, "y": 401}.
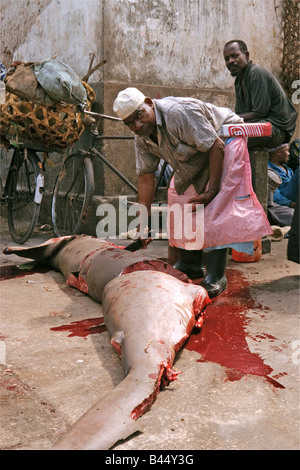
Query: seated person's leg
{"x": 291, "y": 190}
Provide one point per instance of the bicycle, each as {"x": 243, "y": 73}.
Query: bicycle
{"x": 22, "y": 193}
{"x": 74, "y": 186}
{"x": 24, "y": 188}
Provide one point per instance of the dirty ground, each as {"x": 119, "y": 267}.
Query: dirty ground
{"x": 239, "y": 382}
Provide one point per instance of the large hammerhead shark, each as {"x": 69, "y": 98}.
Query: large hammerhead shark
{"x": 149, "y": 309}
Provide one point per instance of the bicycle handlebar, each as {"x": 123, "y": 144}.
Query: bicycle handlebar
{"x": 105, "y": 116}
{"x": 81, "y": 109}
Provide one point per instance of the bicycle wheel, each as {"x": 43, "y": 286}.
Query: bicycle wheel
{"x": 22, "y": 210}
{"x": 72, "y": 196}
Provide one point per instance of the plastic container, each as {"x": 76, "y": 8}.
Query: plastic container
{"x": 244, "y": 257}
{"x": 2, "y": 92}
{"x": 257, "y": 129}
{"x": 39, "y": 189}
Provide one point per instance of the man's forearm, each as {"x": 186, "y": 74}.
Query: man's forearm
{"x": 216, "y": 160}
{"x": 146, "y": 190}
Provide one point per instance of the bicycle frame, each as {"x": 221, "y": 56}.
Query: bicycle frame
{"x": 95, "y": 136}
{"x": 16, "y": 161}
{"x": 94, "y": 152}
{"x": 5, "y": 195}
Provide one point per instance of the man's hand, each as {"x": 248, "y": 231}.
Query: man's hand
{"x": 203, "y": 198}
{"x": 145, "y": 237}
{"x": 145, "y": 242}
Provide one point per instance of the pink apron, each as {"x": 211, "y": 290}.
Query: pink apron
{"x": 233, "y": 216}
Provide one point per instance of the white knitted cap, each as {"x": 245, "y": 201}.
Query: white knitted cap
{"x": 278, "y": 148}
{"x": 127, "y": 102}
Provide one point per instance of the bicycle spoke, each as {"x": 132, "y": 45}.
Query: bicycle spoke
{"x": 22, "y": 210}
{"x": 69, "y": 196}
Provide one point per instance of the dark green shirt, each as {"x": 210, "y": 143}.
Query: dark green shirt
{"x": 263, "y": 95}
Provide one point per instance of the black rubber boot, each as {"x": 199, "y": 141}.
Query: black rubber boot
{"x": 190, "y": 262}
{"x": 215, "y": 280}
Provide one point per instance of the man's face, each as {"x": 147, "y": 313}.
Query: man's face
{"x": 143, "y": 120}
{"x": 235, "y": 59}
{"x": 283, "y": 154}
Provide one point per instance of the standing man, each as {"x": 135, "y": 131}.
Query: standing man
{"x": 259, "y": 96}
{"x": 184, "y": 132}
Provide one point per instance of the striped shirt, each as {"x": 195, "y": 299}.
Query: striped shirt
{"x": 186, "y": 129}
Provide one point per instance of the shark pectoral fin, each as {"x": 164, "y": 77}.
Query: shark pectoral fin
{"x": 117, "y": 340}
{"x": 40, "y": 253}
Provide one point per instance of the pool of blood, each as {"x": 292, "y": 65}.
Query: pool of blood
{"x": 222, "y": 339}
{"x": 14, "y": 271}
{"x": 83, "y": 328}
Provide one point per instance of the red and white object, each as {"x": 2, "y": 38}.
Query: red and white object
{"x": 255, "y": 129}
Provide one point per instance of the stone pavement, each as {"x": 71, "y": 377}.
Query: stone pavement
{"x": 239, "y": 386}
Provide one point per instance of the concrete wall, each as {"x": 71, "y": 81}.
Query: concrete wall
{"x": 179, "y": 43}
{"x": 36, "y": 29}
{"x": 175, "y": 47}
{"x": 165, "y": 47}
{"x": 159, "y": 42}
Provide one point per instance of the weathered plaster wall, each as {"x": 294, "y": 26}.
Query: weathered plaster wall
{"x": 175, "y": 47}
{"x": 36, "y": 29}
{"x": 157, "y": 42}
{"x": 162, "y": 46}
{"x": 17, "y": 19}
{"x": 180, "y": 42}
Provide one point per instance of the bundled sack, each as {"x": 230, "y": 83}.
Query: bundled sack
{"x": 21, "y": 81}
{"x": 59, "y": 81}
{"x": 41, "y": 104}
{"x": 46, "y": 82}
{"x": 53, "y": 126}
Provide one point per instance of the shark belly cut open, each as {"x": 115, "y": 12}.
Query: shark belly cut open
{"x": 149, "y": 314}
